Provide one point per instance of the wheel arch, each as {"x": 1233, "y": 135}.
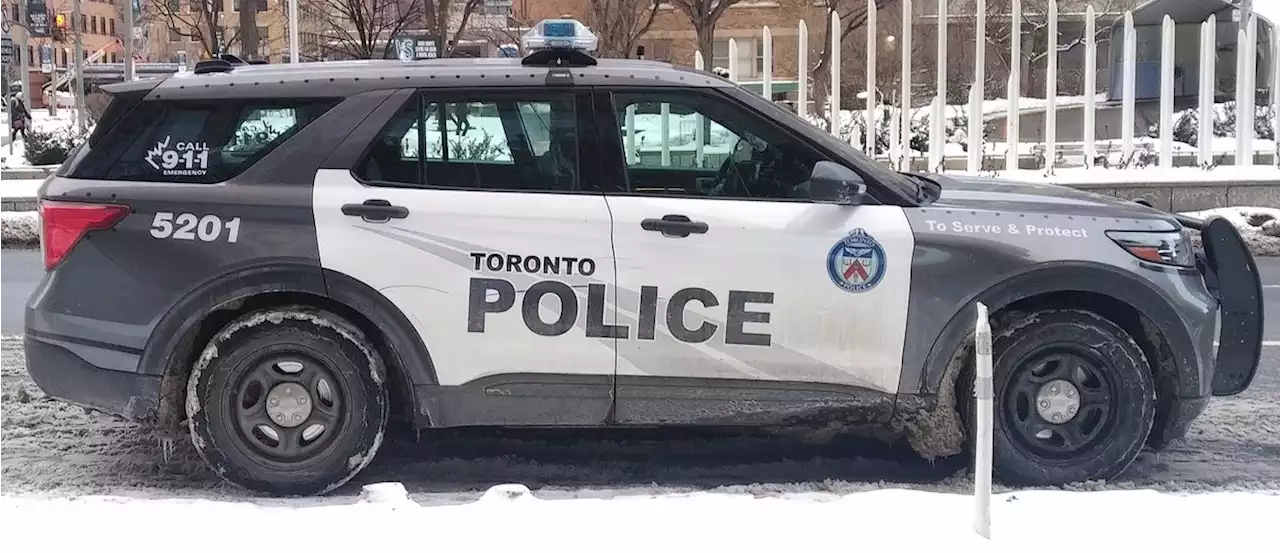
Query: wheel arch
{"x": 1142, "y": 310}
{"x": 1125, "y": 299}
{"x": 183, "y": 331}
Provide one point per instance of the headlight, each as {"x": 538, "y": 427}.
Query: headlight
{"x": 1166, "y": 248}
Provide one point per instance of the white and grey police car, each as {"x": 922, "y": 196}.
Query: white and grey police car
{"x": 284, "y": 259}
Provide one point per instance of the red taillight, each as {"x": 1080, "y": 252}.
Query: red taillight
{"x": 63, "y": 224}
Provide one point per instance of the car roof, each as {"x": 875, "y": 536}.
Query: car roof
{"x": 347, "y": 78}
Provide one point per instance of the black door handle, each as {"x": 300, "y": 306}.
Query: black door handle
{"x": 674, "y": 225}
{"x": 376, "y": 210}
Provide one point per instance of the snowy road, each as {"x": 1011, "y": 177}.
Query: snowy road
{"x": 48, "y": 446}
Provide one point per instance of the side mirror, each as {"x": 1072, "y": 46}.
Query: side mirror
{"x": 833, "y": 183}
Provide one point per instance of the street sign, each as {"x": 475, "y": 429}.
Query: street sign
{"x": 46, "y": 58}
{"x": 6, "y": 49}
{"x": 37, "y": 18}
{"x": 407, "y": 48}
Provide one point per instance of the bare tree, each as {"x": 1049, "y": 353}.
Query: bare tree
{"x": 853, "y": 16}
{"x": 619, "y": 24}
{"x": 1035, "y": 40}
{"x": 196, "y": 20}
{"x": 439, "y": 19}
{"x": 249, "y": 39}
{"x": 362, "y": 29}
{"x": 704, "y": 15}
{"x": 503, "y": 34}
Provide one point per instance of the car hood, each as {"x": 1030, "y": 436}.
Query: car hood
{"x": 970, "y": 192}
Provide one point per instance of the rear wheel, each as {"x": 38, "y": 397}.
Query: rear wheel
{"x": 288, "y": 401}
{"x": 1074, "y": 398}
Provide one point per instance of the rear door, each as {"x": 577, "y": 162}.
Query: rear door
{"x": 749, "y": 302}
{"x": 470, "y": 212}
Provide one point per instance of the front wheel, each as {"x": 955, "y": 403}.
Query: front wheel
{"x": 288, "y": 401}
{"x": 1074, "y": 398}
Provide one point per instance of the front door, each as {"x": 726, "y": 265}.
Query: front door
{"x": 746, "y": 299}
{"x": 469, "y": 213}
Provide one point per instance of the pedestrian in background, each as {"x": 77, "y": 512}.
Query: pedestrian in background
{"x": 19, "y": 116}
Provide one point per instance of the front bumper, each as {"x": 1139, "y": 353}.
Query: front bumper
{"x": 1231, "y": 276}
{"x": 66, "y": 376}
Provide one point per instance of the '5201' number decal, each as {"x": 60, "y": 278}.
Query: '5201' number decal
{"x": 188, "y": 226}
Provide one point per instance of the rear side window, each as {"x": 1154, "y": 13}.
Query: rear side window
{"x": 516, "y": 140}
{"x": 196, "y": 142}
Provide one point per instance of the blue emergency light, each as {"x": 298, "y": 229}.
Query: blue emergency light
{"x": 568, "y": 34}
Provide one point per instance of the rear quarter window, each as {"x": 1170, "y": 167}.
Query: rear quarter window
{"x": 195, "y": 142}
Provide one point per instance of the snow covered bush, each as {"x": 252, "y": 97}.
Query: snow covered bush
{"x": 50, "y": 147}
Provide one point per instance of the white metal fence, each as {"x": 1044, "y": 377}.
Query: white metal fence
{"x": 901, "y": 117}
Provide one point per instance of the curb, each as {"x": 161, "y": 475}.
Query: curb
{"x": 27, "y": 173}
{"x": 18, "y": 204}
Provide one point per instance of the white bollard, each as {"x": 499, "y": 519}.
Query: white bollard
{"x": 1013, "y": 135}
{"x": 802, "y": 74}
{"x": 1090, "y": 85}
{"x": 633, "y": 157}
{"x": 834, "y": 96}
{"x": 975, "y": 127}
{"x": 1275, "y": 91}
{"x": 983, "y": 390}
{"x": 1129, "y": 100}
{"x": 1242, "y": 115}
{"x": 978, "y": 93}
{"x": 666, "y": 134}
{"x": 766, "y": 85}
{"x": 873, "y": 100}
{"x": 1051, "y": 92}
{"x": 1166, "y": 92}
{"x": 1208, "y": 88}
{"x": 733, "y": 60}
{"x": 905, "y": 128}
{"x": 698, "y": 147}
{"x": 938, "y": 137}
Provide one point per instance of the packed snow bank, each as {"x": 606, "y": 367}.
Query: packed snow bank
{"x": 1259, "y": 226}
{"x": 509, "y": 517}
{"x": 19, "y": 229}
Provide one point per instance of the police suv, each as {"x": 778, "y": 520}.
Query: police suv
{"x": 287, "y": 258}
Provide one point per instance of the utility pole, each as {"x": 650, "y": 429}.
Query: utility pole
{"x": 79, "y": 67}
{"x": 128, "y": 40}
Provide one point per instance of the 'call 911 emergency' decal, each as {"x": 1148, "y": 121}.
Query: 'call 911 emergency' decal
{"x": 497, "y": 295}
{"x": 179, "y": 158}
{"x": 857, "y": 262}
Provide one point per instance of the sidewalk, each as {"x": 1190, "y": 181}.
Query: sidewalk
{"x": 19, "y": 194}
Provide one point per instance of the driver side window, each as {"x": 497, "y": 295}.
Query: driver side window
{"x": 688, "y": 144}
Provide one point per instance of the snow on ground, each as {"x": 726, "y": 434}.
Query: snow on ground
{"x": 19, "y": 188}
{"x": 509, "y": 517}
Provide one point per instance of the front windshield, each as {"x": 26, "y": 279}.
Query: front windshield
{"x": 869, "y": 167}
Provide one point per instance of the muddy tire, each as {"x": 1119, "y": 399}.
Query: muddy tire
{"x": 288, "y": 401}
{"x": 1074, "y": 398}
